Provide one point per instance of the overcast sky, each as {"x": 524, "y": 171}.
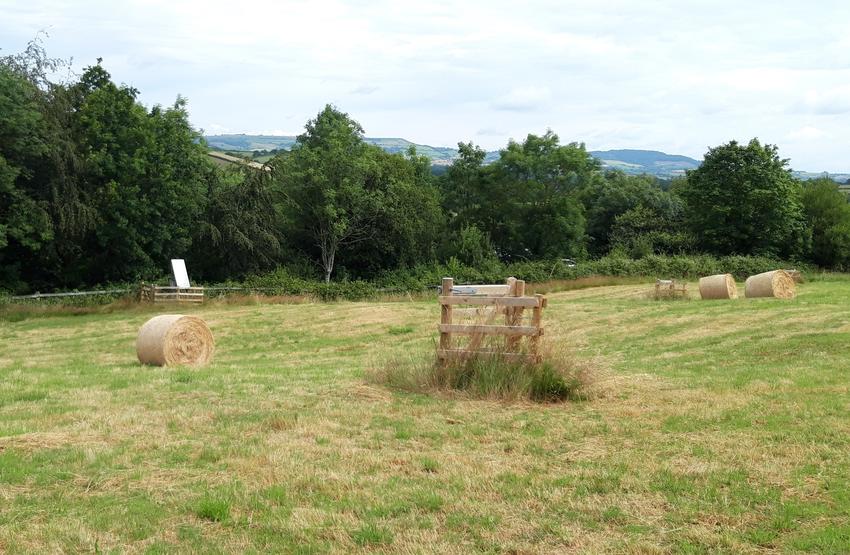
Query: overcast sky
{"x": 676, "y": 76}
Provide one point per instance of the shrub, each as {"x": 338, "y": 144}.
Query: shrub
{"x": 279, "y": 282}
{"x": 345, "y": 290}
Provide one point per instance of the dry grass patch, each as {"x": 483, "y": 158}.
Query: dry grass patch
{"x": 558, "y": 376}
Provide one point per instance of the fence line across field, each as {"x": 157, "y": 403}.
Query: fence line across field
{"x": 213, "y": 289}
{"x": 69, "y": 294}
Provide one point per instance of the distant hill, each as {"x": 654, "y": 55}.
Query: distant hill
{"x": 652, "y": 162}
{"x": 439, "y": 155}
{"x": 272, "y": 142}
{"x": 645, "y": 161}
{"x": 250, "y": 142}
{"x": 842, "y": 178}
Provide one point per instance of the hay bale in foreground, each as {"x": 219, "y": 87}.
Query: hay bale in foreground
{"x": 771, "y": 284}
{"x": 721, "y": 286}
{"x": 175, "y": 339}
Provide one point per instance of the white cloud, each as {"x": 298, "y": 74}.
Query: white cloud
{"x": 273, "y": 132}
{"x": 832, "y": 101}
{"x": 806, "y": 133}
{"x": 216, "y": 129}
{"x": 365, "y": 89}
{"x": 615, "y": 74}
{"x": 523, "y": 99}
{"x": 489, "y": 132}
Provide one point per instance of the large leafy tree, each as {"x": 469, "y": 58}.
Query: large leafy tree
{"x": 609, "y": 199}
{"x": 145, "y": 175}
{"x": 25, "y": 225}
{"x": 743, "y": 200}
{"x": 345, "y": 199}
{"x": 463, "y": 186}
{"x": 410, "y": 221}
{"x": 526, "y": 202}
{"x": 38, "y": 201}
{"x": 828, "y": 215}
{"x": 93, "y": 186}
{"x": 328, "y": 205}
{"x": 238, "y": 233}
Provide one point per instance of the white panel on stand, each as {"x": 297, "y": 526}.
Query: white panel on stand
{"x": 178, "y": 270}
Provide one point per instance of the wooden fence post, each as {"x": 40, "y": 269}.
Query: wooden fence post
{"x": 446, "y": 313}
{"x": 515, "y": 314}
{"x": 511, "y": 283}
{"x": 537, "y": 321}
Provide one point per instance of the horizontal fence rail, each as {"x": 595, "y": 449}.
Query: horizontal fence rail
{"x": 163, "y": 294}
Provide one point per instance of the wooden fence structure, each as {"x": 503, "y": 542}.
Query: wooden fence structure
{"x": 490, "y": 302}
{"x": 168, "y": 294}
{"x": 670, "y": 289}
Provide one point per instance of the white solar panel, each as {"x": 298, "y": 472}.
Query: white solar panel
{"x": 178, "y": 270}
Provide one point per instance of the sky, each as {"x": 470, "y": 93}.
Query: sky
{"x": 677, "y": 76}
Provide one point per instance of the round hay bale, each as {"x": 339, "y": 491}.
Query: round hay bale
{"x": 175, "y": 339}
{"x": 721, "y": 286}
{"x": 770, "y": 284}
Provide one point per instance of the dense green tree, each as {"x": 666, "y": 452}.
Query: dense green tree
{"x": 606, "y": 200}
{"x": 540, "y": 179}
{"x": 645, "y": 230}
{"x": 828, "y": 215}
{"x": 144, "y": 172}
{"x": 25, "y": 225}
{"x": 350, "y": 201}
{"x": 328, "y": 205}
{"x": 462, "y": 185}
{"x": 238, "y": 232}
{"x": 410, "y": 220}
{"x": 527, "y": 201}
{"x": 473, "y": 248}
{"x": 743, "y": 200}
{"x": 93, "y": 186}
{"x": 32, "y": 159}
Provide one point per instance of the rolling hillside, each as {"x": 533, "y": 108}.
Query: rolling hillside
{"x": 652, "y": 162}
{"x": 439, "y": 155}
{"x": 645, "y": 161}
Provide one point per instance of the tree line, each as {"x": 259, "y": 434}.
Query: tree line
{"x": 97, "y": 188}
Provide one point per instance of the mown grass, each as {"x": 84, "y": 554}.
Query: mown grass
{"x": 714, "y": 427}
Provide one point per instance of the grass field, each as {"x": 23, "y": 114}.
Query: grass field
{"x": 715, "y": 427}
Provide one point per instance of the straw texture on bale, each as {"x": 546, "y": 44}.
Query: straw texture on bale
{"x": 795, "y": 275}
{"x": 721, "y": 286}
{"x": 771, "y": 284}
{"x": 175, "y": 339}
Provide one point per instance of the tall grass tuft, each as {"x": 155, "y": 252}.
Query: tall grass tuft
{"x": 556, "y": 378}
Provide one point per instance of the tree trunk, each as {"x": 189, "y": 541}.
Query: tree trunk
{"x": 328, "y": 255}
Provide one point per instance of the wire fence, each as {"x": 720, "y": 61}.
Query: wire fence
{"x": 70, "y": 294}
{"x": 216, "y": 290}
